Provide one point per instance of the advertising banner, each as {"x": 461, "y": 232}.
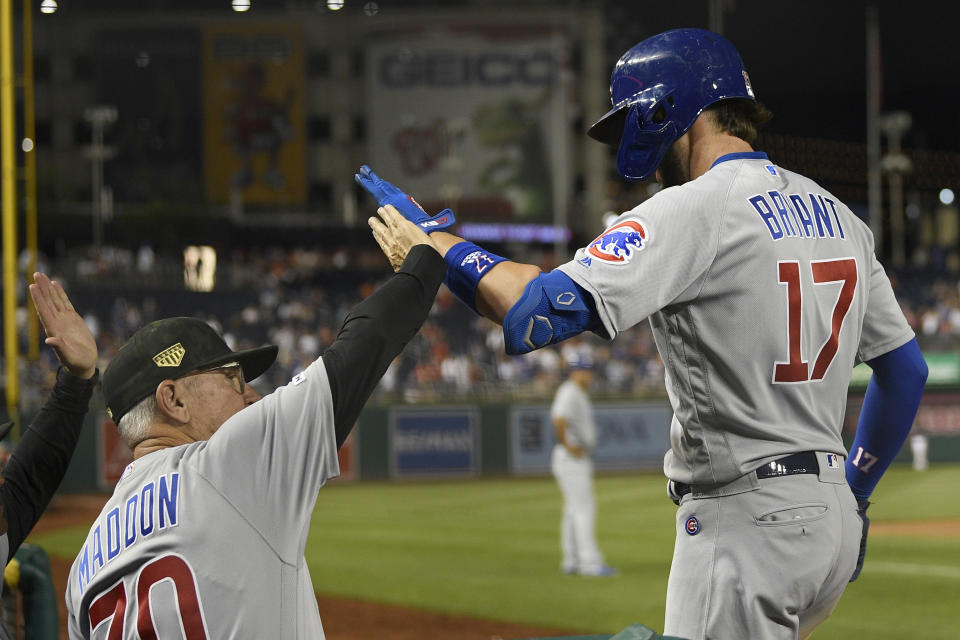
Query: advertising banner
{"x": 254, "y": 132}
{"x": 434, "y": 442}
{"x": 474, "y": 116}
{"x": 629, "y": 436}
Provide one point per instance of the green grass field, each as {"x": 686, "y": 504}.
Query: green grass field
{"x": 489, "y": 548}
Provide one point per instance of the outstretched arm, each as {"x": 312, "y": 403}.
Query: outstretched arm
{"x": 501, "y": 282}
{"x": 39, "y": 461}
{"x": 534, "y": 308}
{"x": 501, "y": 288}
{"x": 66, "y": 331}
{"x": 377, "y": 329}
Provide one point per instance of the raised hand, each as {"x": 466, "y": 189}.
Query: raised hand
{"x": 66, "y": 331}
{"x": 385, "y": 193}
{"x": 396, "y": 235}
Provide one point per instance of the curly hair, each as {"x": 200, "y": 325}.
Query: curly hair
{"x": 740, "y": 117}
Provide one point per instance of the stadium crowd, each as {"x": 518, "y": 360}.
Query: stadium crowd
{"x": 297, "y": 298}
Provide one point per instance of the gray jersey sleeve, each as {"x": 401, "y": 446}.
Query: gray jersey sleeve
{"x": 270, "y": 460}
{"x": 884, "y": 326}
{"x": 649, "y": 258}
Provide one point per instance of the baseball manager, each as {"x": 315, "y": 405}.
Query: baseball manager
{"x": 205, "y": 532}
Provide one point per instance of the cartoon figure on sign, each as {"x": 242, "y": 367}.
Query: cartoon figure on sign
{"x": 423, "y": 149}
{"x": 258, "y": 124}
{"x": 618, "y": 243}
{"x": 511, "y": 133}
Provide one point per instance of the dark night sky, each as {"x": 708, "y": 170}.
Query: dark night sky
{"x": 807, "y": 60}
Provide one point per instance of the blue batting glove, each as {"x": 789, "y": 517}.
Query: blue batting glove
{"x": 385, "y": 193}
{"x": 862, "y": 512}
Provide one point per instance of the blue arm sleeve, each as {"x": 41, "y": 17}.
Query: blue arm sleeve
{"x": 889, "y": 407}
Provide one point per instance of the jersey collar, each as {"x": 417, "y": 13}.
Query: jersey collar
{"x": 742, "y": 155}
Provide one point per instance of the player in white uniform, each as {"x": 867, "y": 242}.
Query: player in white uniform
{"x": 762, "y": 290}
{"x": 572, "y": 465}
{"x": 204, "y": 535}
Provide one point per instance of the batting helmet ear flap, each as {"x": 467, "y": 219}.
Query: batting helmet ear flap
{"x": 641, "y": 150}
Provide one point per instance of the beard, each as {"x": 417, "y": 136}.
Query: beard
{"x": 671, "y": 172}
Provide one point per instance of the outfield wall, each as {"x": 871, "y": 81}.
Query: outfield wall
{"x": 460, "y": 441}
{"x": 469, "y": 440}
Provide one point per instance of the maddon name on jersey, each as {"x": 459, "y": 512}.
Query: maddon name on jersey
{"x": 152, "y": 508}
{"x": 789, "y": 217}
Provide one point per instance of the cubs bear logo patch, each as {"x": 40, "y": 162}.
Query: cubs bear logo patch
{"x": 619, "y": 243}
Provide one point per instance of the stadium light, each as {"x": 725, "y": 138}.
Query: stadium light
{"x": 48, "y": 6}
{"x": 199, "y": 268}
{"x": 334, "y": 5}
{"x": 946, "y": 196}
{"x": 240, "y": 5}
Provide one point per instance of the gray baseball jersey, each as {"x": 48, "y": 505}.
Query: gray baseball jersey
{"x": 763, "y": 291}
{"x": 573, "y": 404}
{"x": 209, "y": 536}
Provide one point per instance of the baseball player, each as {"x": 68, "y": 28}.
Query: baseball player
{"x": 572, "y": 466}
{"x": 205, "y": 532}
{"x": 37, "y": 464}
{"x": 762, "y": 291}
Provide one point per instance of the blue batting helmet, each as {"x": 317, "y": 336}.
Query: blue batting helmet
{"x": 659, "y": 87}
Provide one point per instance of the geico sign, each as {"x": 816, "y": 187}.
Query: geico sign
{"x": 455, "y": 69}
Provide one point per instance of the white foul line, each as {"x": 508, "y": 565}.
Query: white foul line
{"x": 940, "y": 571}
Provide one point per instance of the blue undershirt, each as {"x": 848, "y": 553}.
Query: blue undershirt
{"x": 889, "y": 408}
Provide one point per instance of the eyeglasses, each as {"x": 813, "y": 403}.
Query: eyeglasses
{"x": 233, "y": 372}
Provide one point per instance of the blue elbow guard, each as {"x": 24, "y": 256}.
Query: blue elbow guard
{"x": 552, "y": 308}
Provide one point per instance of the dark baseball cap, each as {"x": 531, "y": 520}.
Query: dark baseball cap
{"x": 169, "y": 349}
